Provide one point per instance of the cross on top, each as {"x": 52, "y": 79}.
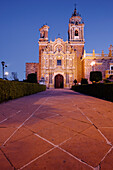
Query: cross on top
{"x": 75, "y": 5}
{"x": 58, "y": 35}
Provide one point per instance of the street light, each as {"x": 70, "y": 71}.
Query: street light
{"x": 3, "y": 66}
{"x": 6, "y": 74}
{"x": 93, "y": 64}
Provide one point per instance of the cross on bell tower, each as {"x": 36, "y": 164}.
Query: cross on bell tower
{"x": 75, "y": 10}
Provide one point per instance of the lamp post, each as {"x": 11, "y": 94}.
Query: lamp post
{"x": 93, "y": 64}
{"x": 3, "y": 66}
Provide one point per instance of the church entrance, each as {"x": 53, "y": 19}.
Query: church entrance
{"x": 59, "y": 81}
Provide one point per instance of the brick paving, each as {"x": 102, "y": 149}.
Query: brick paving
{"x": 56, "y": 130}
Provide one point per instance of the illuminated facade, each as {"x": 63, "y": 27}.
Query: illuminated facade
{"x": 60, "y": 62}
{"x": 103, "y": 62}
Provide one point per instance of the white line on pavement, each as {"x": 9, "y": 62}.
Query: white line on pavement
{"x": 107, "y": 153}
{"x": 52, "y": 116}
{"x": 107, "y": 141}
{"x": 55, "y": 146}
{"x": 25, "y": 121}
{"x": 37, "y": 158}
{"x": 3, "y": 120}
{"x": 75, "y": 157}
{"x": 10, "y": 117}
{"x": 45, "y": 140}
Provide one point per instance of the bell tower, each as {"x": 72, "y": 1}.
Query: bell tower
{"x": 44, "y": 33}
{"x": 76, "y": 41}
{"x": 76, "y": 28}
{"x": 43, "y": 42}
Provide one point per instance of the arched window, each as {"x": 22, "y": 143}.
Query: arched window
{"x": 42, "y": 34}
{"x": 76, "y": 32}
{"x": 59, "y": 62}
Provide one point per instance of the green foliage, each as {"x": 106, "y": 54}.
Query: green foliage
{"x": 95, "y": 76}
{"x": 103, "y": 91}
{"x": 111, "y": 77}
{"x": 32, "y": 78}
{"x": 75, "y": 81}
{"x": 106, "y": 81}
{"x": 84, "y": 81}
{"x": 12, "y": 89}
{"x": 1, "y": 80}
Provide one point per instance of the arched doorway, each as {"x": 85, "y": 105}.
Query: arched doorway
{"x": 59, "y": 81}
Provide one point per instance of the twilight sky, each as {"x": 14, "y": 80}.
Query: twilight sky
{"x": 20, "y": 21}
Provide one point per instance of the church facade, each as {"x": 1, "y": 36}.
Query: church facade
{"x": 61, "y": 62}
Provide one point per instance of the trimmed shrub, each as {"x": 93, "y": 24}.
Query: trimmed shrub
{"x": 95, "y": 76}
{"x": 84, "y": 81}
{"x": 106, "y": 81}
{"x": 103, "y": 91}
{"x": 75, "y": 81}
{"x": 12, "y": 89}
{"x": 32, "y": 78}
{"x": 111, "y": 77}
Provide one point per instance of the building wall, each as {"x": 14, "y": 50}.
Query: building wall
{"x": 58, "y": 50}
{"x": 103, "y": 63}
{"x": 72, "y": 65}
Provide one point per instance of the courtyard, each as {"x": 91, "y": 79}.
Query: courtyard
{"x": 57, "y": 129}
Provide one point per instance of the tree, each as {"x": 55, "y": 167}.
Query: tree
{"x": 75, "y": 81}
{"x": 95, "y": 76}
{"x": 32, "y": 78}
{"x": 84, "y": 81}
{"x": 14, "y": 76}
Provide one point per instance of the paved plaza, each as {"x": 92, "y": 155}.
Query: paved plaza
{"x": 56, "y": 130}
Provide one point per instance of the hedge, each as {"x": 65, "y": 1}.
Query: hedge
{"x": 12, "y": 90}
{"x": 103, "y": 91}
{"x": 95, "y": 76}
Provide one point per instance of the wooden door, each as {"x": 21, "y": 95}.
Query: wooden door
{"x": 59, "y": 81}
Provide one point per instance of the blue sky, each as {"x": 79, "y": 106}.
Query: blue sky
{"x": 20, "y": 21}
